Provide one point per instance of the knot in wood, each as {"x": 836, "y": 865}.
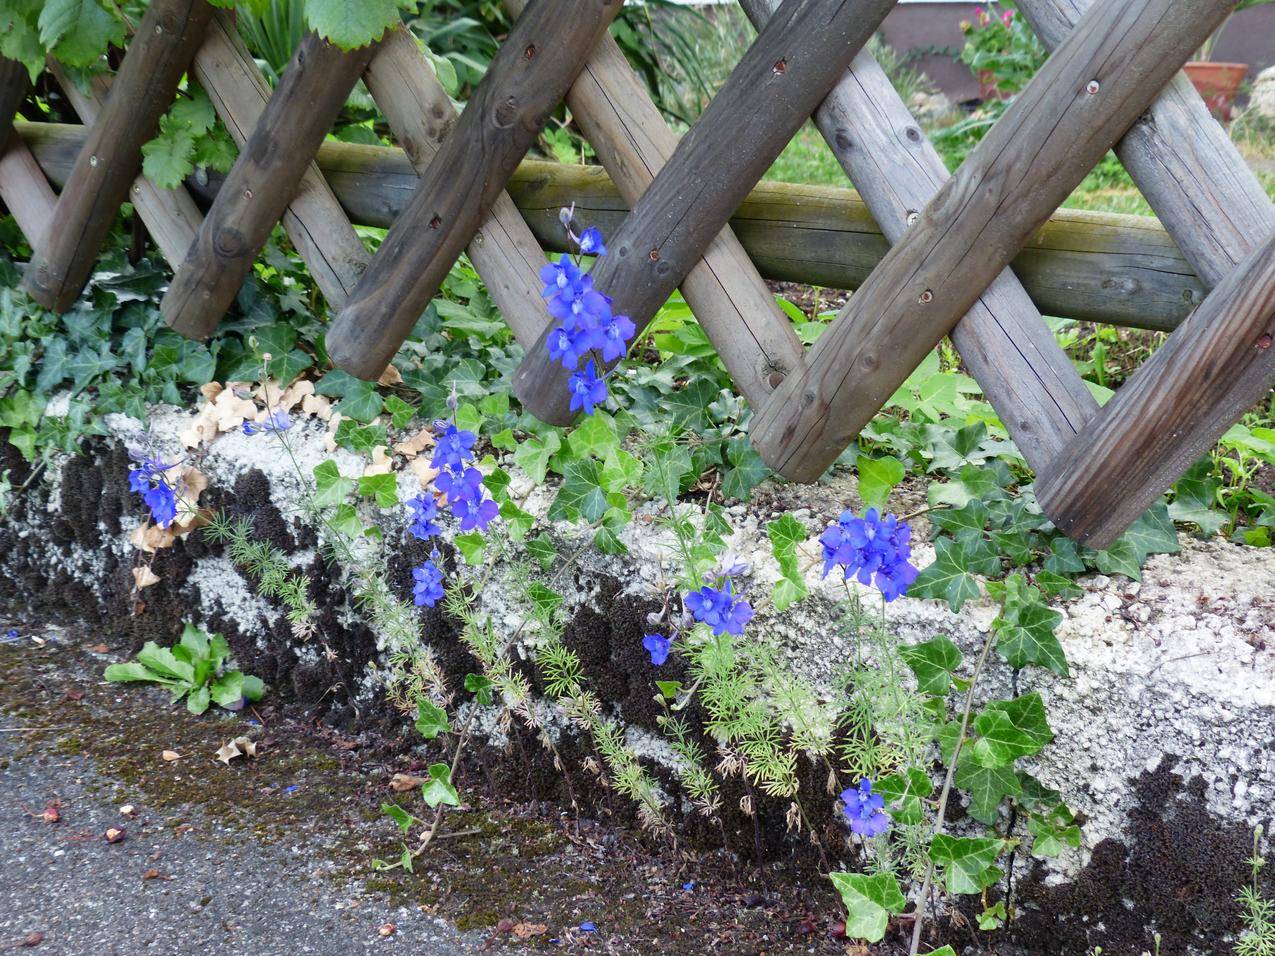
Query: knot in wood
{"x": 506, "y": 112}
{"x": 913, "y": 134}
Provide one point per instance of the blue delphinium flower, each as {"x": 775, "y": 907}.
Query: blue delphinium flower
{"x": 424, "y": 517}
{"x": 567, "y": 349}
{"x": 475, "y": 512}
{"x": 719, "y": 609}
{"x": 587, "y": 390}
{"x": 591, "y": 242}
{"x": 871, "y": 547}
{"x": 453, "y": 448}
{"x": 463, "y": 485}
{"x": 277, "y": 422}
{"x": 147, "y": 479}
{"x": 563, "y": 277}
{"x": 657, "y": 645}
{"x": 613, "y": 339}
{"x": 11, "y": 635}
{"x": 864, "y": 810}
{"x": 428, "y": 589}
{"x": 588, "y": 927}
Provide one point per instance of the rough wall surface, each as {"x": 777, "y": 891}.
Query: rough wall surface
{"x": 1165, "y": 732}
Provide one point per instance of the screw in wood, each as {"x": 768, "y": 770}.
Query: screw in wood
{"x": 92, "y": 160}
{"x": 1264, "y": 342}
{"x": 926, "y": 297}
{"x": 655, "y": 255}
{"x": 530, "y": 52}
{"x": 1092, "y": 87}
{"x": 913, "y": 217}
{"x": 780, "y": 67}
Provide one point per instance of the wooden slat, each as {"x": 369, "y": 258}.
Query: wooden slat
{"x": 169, "y": 34}
{"x": 1184, "y": 162}
{"x": 14, "y": 83}
{"x": 170, "y": 215}
{"x": 1003, "y": 340}
{"x": 314, "y": 220}
{"x": 1098, "y": 267}
{"x": 755, "y": 340}
{"x": 314, "y": 87}
{"x": 1091, "y": 90}
{"x": 421, "y": 114}
{"x": 1218, "y": 365}
{"x": 792, "y": 65}
{"x": 23, "y": 188}
{"x": 527, "y": 78}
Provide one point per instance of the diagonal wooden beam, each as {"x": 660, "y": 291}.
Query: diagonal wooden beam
{"x": 1219, "y": 364}
{"x": 1184, "y": 162}
{"x": 1003, "y": 340}
{"x": 14, "y": 83}
{"x": 314, "y": 221}
{"x": 170, "y": 32}
{"x": 781, "y": 79}
{"x": 170, "y": 215}
{"x": 528, "y": 77}
{"x": 421, "y": 115}
{"x": 729, "y": 298}
{"x": 23, "y": 187}
{"x": 260, "y": 185}
{"x": 1092, "y": 89}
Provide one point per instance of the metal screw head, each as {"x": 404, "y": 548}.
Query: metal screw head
{"x": 247, "y": 194}
{"x": 913, "y": 217}
{"x": 654, "y": 255}
{"x": 158, "y": 30}
{"x": 92, "y": 160}
{"x": 926, "y": 297}
{"x": 1092, "y": 87}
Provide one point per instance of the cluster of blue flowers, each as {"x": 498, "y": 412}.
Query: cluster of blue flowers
{"x": 428, "y": 588}
{"x": 719, "y": 608}
{"x": 459, "y": 480}
{"x": 147, "y": 479}
{"x": 587, "y": 324}
{"x": 864, "y": 810}
{"x": 871, "y": 547}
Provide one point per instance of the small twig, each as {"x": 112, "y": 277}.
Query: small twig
{"x": 20, "y": 730}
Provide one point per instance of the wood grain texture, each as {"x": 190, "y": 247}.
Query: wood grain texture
{"x": 729, "y": 298}
{"x": 1003, "y": 340}
{"x": 258, "y": 188}
{"x": 317, "y": 227}
{"x": 527, "y": 79}
{"x": 1218, "y": 365}
{"x": 1088, "y": 94}
{"x": 794, "y": 62}
{"x": 14, "y": 83}
{"x": 1096, "y": 267}
{"x": 25, "y": 191}
{"x": 170, "y": 215}
{"x": 167, "y": 38}
{"x": 1184, "y": 162}
{"x": 421, "y": 114}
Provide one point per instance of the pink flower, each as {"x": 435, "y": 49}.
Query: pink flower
{"x": 1007, "y": 17}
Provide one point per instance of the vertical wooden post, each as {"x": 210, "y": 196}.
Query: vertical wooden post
{"x": 14, "y": 82}
{"x": 1091, "y": 90}
{"x": 1003, "y": 340}
{"x": 258, "y": 188}
{"x": 170, "y": 215}
{"x": 784, "y": 75}
{"x": 314, "y": 220}
{"x": 1219, "y": 364}
{"x": 527, "y": 78}
{"x": 421, "y": 114}
{"x": 169, "y": 33}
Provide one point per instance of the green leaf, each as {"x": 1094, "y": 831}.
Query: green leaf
{"x": 669, "y": 689}
{"x": 360, "y": 439}
{"x": 1025, "y": 629}
{"x": 1064, "y": 557}
{"x": 933, "y": 662}
{"x": 877, "y": 478}
{"x": 992, "y": 918}
{"x": 133, "y": 671}
{"x": 362, "y": 402}
{"x": 746, "y": 470}
{"x": 546, "y": 600}
{"x": 162, "y": 661}
{"x": 533, "y": 455}
{"x": 595, "y": 437}
{"x": 472, "y": 545}
{"x": 541, "y": 548}
{"x": 398, "y": 815}
{"x": 199, "y": 699}
{"x": 971, "y": 483}
{"x": 480, "y": 687}
{"x": 227, "y": 690}
{"x": 1195, "y": 499}
{"x": 438, "y": 789}
{"x": 870, "y": 901}
{"x": 517, "y": 521}
{"x": 987, "y": 786}
{"x": 947, "y": 578}
{"x": 384, "y": 488}
{"x": 903, "y": 794}
{"x": 1009, "y": 729}
{"x": 431, "y": 720}
{"x": 1053, "y": 832}
{"x": 331, "y": 488}
{"x": 253, "y": 688}
{"x": 967, "y": 862}
{"x": 351, "y": 25}
{"x": 401, "y": 413}
{"x": 78, "y": 31}
{"x": 582, "y": 493}
{"x": 785, "y": 533}
{"x": 169, "y": 158}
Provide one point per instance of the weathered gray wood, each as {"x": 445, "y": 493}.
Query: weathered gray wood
{"x": 170, "y": 32}
{"x": 1003, "y": 340}
{"x": 318, "y": 229}
{"x": 25, "y": 191}
{"x": 1184, "y": 162}
{"x": 170, "y": 215}
{"x": 314, "y": 87}
{"x": 791, "y": 67}
{"x": 754, "y": 339}
{"x": 421, "y": 114}
{"x": 1218, "y": 365}
{"x": 526, "y": 80}
{"x": 14, "y": 83}
{"x": 1095, "y": 267}
{"x": 1091, "y": 90}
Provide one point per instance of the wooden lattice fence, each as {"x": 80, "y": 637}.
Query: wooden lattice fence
{"x": 961, "y": 262}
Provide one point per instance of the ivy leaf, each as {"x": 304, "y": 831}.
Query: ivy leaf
{"x": 78, "y": 31}
{"x": 472, "y": 544}
{"x": 351, "y": 25}
{"x": 331, "y": 487}
{"x": 1053, "y": 832}
{"x": 1064, "y": 557}
{"x": 480, "y": 687}
{"x": 1195, "y": 499}
{"x": 903, "y": 794}
{"x": 546, "y": 600}
{"x": 877, "y": 478}
{"x": 870, "y": 902}
{"x": 401, "y": 413}
{"x": 398, "y": 815}
{"x": 384, "y": 488}
{"x": 987, "y": 786}
{"x": 1009, "y": 729}
{"x": 667, "y": 467}
{"x": 595, "y": 437}
{"x": 431, "y": 720}
{"x": 947, "y": 578}
{"x": 1025, "y": 629}
{"x": 972, "y": 518}
{"x": 362, "y": 402}
{"x": 746, "y": 470}
{"x": 438, "y": 789}
{"x": 785, "y": 534}
{"x": 533, "y": 455}
{"x": 582, "y": 493}
{"x": 967, "y": 862}
{"x": 971, "y": 483}
{"x": 541, "y": 548}
{"x": 933, "y": 663}
{"x": 361, "y": 439}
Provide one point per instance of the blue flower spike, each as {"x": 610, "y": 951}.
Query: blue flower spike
{"x": 719, "y": 608}
{"x": 428, "y": 590}
{"x": 864, "y": 810}
{"x": 875, "y": 549}
{"x": 147, "y": 479}
{"x": 587, "y": 390}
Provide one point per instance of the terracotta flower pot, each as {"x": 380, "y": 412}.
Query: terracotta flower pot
{"x": 1217, "y": 83}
